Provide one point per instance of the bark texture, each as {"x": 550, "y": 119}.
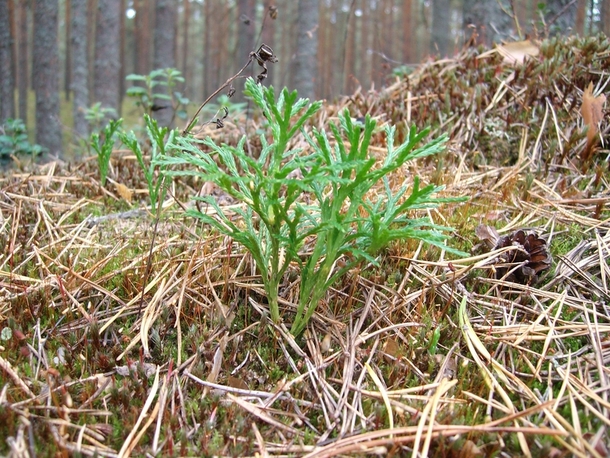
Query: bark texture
{"x": 7, "y": 84}
{"x": 46, "y": 81}
{"x": 561, "y": 16}
{"x": 245, "y": 42}
{"x": 165, "y": 47}
{"x": 165, "y": 34}
{"x": 605, "y": 17}
{"x": 80, "y": 67}
{"x": 306, "y": 68}
{"x": 22, "y": 60}
{"x": 107, "y": 53}
{"x": 440, "y": 42}
{"x": 492, "y": 24}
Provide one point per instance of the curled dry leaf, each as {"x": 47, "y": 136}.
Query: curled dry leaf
{"x": 488, "y": 235}
{"x": 470, "y": 449}
{"x": 123, "y": 191}
{"x": 518, "y": 51}
{"x": 592, "y": 111}
{"x": 526, "y": 262}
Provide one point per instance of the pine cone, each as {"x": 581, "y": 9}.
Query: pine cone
{"x": 527, "y": 262}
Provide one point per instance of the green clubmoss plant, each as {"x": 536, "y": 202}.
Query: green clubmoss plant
{"x": 14, "y": 140}
{"x": 159, "y": 87}
{"x": 310, "y": 207}
{"x": 157, "y": 137}
{"x": 103, "y": 143}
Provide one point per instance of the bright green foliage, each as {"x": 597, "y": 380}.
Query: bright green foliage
{"x": 14, "y": 140}
{"x": 102, "y": 144}
{"x": 97, "y": 115}
{"x": 159, "y": 85}
{"x": 337, "y": 220}
{"x": 156, "y": 135}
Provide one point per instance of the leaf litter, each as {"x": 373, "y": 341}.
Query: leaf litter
{"x": 520, "y": 367}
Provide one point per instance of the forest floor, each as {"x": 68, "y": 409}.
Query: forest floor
{"x": 123, "y": 335}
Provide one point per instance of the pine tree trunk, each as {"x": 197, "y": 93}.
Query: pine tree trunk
{"x": 107, "y": 54}
{"x": 68, "y": 50}
{"x": 365, "y": 46}
{"x": 349, "y": 79}
{"x": 605, "y": 16}
{"x": 407, "y": 32}
{"x": 245, "y": 42}
{"x": 492, "y": 24}
{"x": 122, "y": 55}
{"x": 440, "y": 42}
{"x": 185, "y": 43}
{"x": 80, "y": 67}
{"x": 164, "y": 55}
{"x": 46, "y": 83}
{"x": 561, "y": 17}
{"x": 165, "y": 34}
{"x": 209, "y": 51}
{"x": 323, "y": 57}
{"x": 376, "y": 45}
{"x": 91, "y": 27}
{"x": 7, "y": 83}
{"x": 22, "y": 60}
{"x": 142, "y": 32}
{"x": 306, "y": 68}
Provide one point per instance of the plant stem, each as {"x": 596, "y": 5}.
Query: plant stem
{"x": 189, "y": 125}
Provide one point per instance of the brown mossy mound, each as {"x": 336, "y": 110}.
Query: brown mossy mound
{"x": 493, "y": 108}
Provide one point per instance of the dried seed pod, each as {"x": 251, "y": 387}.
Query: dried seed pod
{"x": 262, "y": 55}
{"x": 273, "y": 12}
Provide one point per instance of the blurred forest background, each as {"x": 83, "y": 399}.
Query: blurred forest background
{"x": 60, "y": 57}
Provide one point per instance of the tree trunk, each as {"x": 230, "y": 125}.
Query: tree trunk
{"x": 286, "y": 54}
{"x": 581, "y": 16}
{"x": 107, "y": 53}
{"x": 605, "y": 17}
{"x": 407, "y": 32}
{"x": 165, "y": 34}
{"x": 185, "y": 43}
{"x": 323, "y": 57}
{"x": 306, "y": 68}
{"x": 440, "y": 42}
{"x": 80, "y": 67}
{"x": 165, "y": 48}
{"x": 376, "y": 46}
{"x": 561, "y": 17}
{"x": 492, "y": 24}
{"x": 142, "y": 31}
{"x": 389, "y": 49}
{"x": 22, "y": 61}
{"x": 91, "y": 26}
{"x": 68, "y": 59}
{"x": 209, "y": 51}
{"x": 46, "y": 83}
{"x": 245, "y": 42}
{"x": 349, "y": 78}
{"x": 365, "y": 46}
{"x": 7, "y": 83}
{"x": 122, "y": 55}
